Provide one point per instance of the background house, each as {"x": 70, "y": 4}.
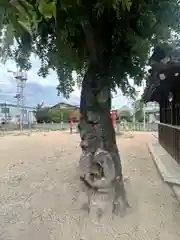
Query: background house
{"x": 125, "y": 113}
{"x": 61, "y": 112}
{"x": 67, "y": 111}
{"x": 151, "y": 110}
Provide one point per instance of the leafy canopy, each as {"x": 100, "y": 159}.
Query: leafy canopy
{"x": 126, "y": 115}
{"x": 69, "y": 34}
{"x": 55, "y": 115}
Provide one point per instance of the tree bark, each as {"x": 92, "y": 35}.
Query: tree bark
{"x": 98, "y": 140}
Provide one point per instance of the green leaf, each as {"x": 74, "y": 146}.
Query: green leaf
{"x": 26, "y": 25}
{"x": 6, "y": 40}
{"x": 126, "y": 4}
{"x": 47, "y": 9}
{"x": 122, "y": 32}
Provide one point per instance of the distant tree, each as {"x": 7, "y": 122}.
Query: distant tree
{"x": 56, "y": 115}
{"x": 125, "y": 115}
{"x": 139, "y": 116}
{"x": 138, "y": 111}
{"x": 43, "y": 115}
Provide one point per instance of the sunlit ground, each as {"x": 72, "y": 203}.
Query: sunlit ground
{"x": 41, "y": 199}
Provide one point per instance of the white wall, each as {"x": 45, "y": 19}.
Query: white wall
{"x": 14, "y": 113}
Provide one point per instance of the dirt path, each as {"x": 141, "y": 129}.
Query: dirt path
{"x": 40, "y": 198}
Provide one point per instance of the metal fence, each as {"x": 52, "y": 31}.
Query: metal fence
{"x": 8, "y": 129}
{"x": 52, "y": 126}
{"x": 150, "y": 127}
{"x": 146, "y": 127}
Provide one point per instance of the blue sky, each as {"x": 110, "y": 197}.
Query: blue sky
{"x": 38, "y": 89}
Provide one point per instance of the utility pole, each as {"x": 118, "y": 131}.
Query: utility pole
{"x": 144, "y": 107}
{"x": 21, "y": 79}
{"x": 5, "y": 112}
{"x": 62, "y": 119}
{"x": 144, "y": 119}
{"x": 134, "y": 114}
{"x": 5, "y": 115}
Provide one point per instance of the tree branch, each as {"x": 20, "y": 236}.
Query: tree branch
{"x": 91, "y": 42}
{"x": 98, "y": 33}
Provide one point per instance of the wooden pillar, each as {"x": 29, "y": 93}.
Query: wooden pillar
{"x": 173, "y": 110}
{"x": 177, "y": 104}
{"x": 161, "y": 108}
{"x": 165, "y": 110}
{"x": 177, "y": 113}
{"x": 168, "y": 111}
{"x": 176, "y": 108}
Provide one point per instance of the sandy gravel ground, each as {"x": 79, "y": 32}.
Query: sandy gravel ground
{"x": 40, "y": 197}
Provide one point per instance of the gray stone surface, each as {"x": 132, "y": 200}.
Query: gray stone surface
{"x": 41, "y": 199}
{"x": 155, "y": 134}
{"x": 167, "y": 166}
{"x": 169, "y": 169}
{"x": 176, "y": 190}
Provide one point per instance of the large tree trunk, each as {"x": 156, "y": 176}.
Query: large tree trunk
{"x": 98, "y": 140}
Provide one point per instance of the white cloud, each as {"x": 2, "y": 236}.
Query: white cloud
{"x": 8, "y": 84}
{"x": 50, "y": 80}
{"x": 7, "y": 77}
{"x": 37, "y": 87}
